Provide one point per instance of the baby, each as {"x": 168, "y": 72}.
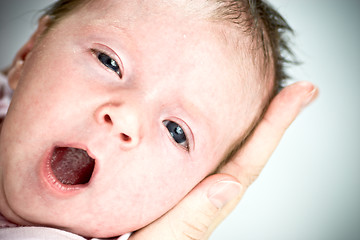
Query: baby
{"x": 121, "y": 107}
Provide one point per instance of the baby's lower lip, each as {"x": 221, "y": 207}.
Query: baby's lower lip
{"x": 56, "y": 164}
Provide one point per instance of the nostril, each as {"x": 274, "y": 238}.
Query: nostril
{"x": 107, "y": 119}
{"x": 125, "y": 137}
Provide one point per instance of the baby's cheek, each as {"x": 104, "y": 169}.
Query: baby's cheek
{"x": 144, "y": 189}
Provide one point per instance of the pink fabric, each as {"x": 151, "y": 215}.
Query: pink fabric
{"x": 5, "y": 223}
{"x": 5, "y": 96}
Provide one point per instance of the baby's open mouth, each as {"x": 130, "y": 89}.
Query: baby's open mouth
{"x": 72, "y": 166}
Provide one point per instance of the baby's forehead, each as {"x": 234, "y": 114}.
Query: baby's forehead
{"x": 168, "y": 14}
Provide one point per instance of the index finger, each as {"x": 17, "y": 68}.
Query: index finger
{"x": 248, "y": 162}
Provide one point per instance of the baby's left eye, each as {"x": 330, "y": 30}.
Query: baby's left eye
{"x": 108, "y": 62}
{"x": 177, "y": 133}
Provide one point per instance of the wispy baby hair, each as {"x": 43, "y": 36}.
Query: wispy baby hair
{"x": 268, "y": 30}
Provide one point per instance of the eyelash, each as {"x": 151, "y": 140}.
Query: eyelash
{"x": 103, "y": 58}
{"x": 184, "y": 140}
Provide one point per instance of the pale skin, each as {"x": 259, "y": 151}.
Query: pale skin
{"x": 299, "y": 92}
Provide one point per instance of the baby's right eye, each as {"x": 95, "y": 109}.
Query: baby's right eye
{"x": 108, "y": 62}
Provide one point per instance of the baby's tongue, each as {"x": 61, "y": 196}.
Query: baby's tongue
{"x": 72, "y": 166}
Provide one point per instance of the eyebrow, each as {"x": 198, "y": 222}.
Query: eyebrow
{"x": 111, "y": 26}
{"x": 190, "y": 108}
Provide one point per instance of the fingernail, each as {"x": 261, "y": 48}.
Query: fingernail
{"x": 310, "y": 96}
{"x": 223, "y": 192}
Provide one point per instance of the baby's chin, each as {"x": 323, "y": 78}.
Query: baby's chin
{"x": 99, "y": 232}
{"x": 96, "y": 227}
{"x": 105, "y": 228}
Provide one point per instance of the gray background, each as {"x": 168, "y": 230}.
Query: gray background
{"x": 311, "y": 187}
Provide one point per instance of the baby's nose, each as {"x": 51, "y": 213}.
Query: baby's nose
{"x": 122, "y": 122}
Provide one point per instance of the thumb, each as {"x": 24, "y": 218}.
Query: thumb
{"x": 194, "y": 216}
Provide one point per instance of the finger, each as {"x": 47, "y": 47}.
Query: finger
{"x": 193, "y": 216}
{"x": 252, "y": 157}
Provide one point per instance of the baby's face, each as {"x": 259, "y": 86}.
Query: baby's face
{"x": 152, "y": 95}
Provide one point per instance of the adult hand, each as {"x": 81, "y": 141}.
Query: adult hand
{"x": 197, "y": 215}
